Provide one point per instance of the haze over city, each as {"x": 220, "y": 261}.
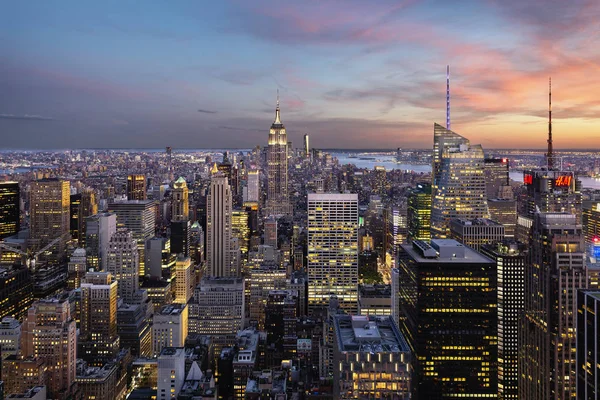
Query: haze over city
{"x": 352, "y": 74}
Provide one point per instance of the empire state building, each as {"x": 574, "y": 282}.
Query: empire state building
{"x": 277, "y": 168}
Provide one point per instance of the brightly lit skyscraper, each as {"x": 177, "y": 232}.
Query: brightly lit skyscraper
{"x": 332, "y": 250}
{"x": 277, "y": 168}
{"x": 218, "y": 228}
{"x": 458, "y": 187}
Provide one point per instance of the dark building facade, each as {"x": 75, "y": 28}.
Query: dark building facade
{"x": 9, "y": 209}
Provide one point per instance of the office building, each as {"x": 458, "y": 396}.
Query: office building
{"x": 447, "y": 313}
{"x": 218, "y": 228}
{"x": 19, "y": 374}
{"x": 136, "y": 187}
{"x": 241, "y": 230}
{"x": 476, "y": 232}
{"x": 10, "y": 215}
{"x": 134, "y": 329}
{"x": 271, "y": 233}
{"x": 259, "y": 282}
{"x": 332, "y": 250}
{"x": 123, "y": 263}
{"x": 496, "y": 176}
{"x": 277, "y": 169}
{"x": 106, "y": 382}
{"x": 281, "y": 312}
{"x": 510, "y": 258}
{"x": 504, "y": 211}
{"x": 50, "y": 333}
{"x": 10, "y": 336}
{"x": 181, "y": 237}
{"x": 184, "y": 281}
{"x": 98, "y": 231}
{"x": 371, "y": 359}
{"x": 587, "y": 345}
{"x": 49, "y": 214}
{"x": 82, "y": 205}
{"x": 171, "y": 372}
{"x": 180, "y": 206}
{"x": 139, "y": 216}
{"x": 98, "y": 341}
{"x": 252, "y": 187}
{"x": 77, "y": 268}
{"x": 16, "y": 291}
{"x": 170, "y": 328}
{"x": 591, "y": 221}
{"x": 375, "y": 300}
{"x": 459, "y": 187}
{"x": 418, "y": 213}
{"x": 245, "y": 360}
{"x": 553, "y": 275}
{"x": 306, "y": 147}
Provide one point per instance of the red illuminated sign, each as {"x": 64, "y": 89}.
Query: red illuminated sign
{"x": 528, "y": 179}
{"x": 563, "y": 180}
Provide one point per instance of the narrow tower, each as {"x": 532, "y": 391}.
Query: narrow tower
{"x": 550, "y": 154}
{"x": 448, "y": 97}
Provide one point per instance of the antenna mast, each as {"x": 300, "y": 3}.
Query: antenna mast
{"x": 448, "y": 97}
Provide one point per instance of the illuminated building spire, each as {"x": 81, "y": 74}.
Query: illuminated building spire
{"x": 277, "y": 111}
{"x": 448, "y": 97}
{"x": 550, "y": 154}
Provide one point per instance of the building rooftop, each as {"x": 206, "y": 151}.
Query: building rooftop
{"x": 475, "y": 222}
{"x": 447, "y": 250}
{"x": 172, "y": 309}
{"x": 374, "y": 290}
{"x": 363, "y": 333}
{"x": 174, "y": 352}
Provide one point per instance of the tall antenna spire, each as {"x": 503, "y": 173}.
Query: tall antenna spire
{"x": 550, "y": 154}
{"x": 277, "y": 116}
{"x": 448, "y": 97}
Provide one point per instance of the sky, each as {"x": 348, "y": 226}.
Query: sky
{"x": 351, "y": 73}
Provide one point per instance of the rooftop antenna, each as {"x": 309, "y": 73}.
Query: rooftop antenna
{"x": 448, "y": 97}
{"x": 550, "y": 154}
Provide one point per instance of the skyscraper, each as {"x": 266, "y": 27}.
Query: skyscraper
{"x": 180, "y": 206}
{"x": 510, "y": 260}
{"x": 253, "y": 187}
{"x": 496, "y": 176}
{"x": 555, "y": 271}
{"x": 447, "y": 313}
{"x": 139, "y": 216}
{"x": 49, "y": 212}
{"x": 9, "y": 209}
{"x": 98, "y": 231}
{"x": 588, "y": 347}
{"x": 306, "y": 147}
{"x": 277, "y": 168}
{"x": 82, "y": 206}
{"x": 98, "y": 341}
{"x": 458, "y": 189}
{"x": 123, "y": 263}
{"x": 49, "y": 332}
{"x": 476, "y": 232}
{"x": 332, "y": 250}
{"x": 419, "y": 213}
{"x": 218, "y": 228}
{"x": 184, "y": 282}
{"x": 136, "y": 187}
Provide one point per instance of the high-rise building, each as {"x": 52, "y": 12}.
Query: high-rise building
{"x": 252, "y": 187}
{"x": 241, "y": 230}
{"x": 82, "y": 206}
{"x": 374, "y": 300}
{"x": 510, "y": 260}
{"x": 19, "y": 374}
{"x": 49, "y": 213}
{"x": 218, "y": 229}
{"x": 77, "y": 268}
{"x": 123, "y": 263}
{"x": 277, "y": 168}
{"x": 139, "y": 216}
{"x": 10, "y": 337}
{"x": 447, "y": 313}
{"x": 476, "y": 232}
{"x": 371, "y": 359}
{"x": 504, "y": 211}
{"x": 98, "y": 341}
{"x": 180, "y": 206}
{"x": 419, "y": 213}
{"x": 259, "y": 282}
{"x": 496, "y": 176}
{"x": 170, "y": 327}
{"x": 134, "y": 329}
{"x": 16, "y": 291}
{"x": 98, "y": 231}
{"x": 136, "y": 187}
{"x": 181, "y": 237}
{"x": 591, "y": 222}
{"x": 458, "y": 189}
{"x": 171, "y": 372}
{"x": 332, "y": 250}
{"x": 49, "y": 332}
{"x": 184, "y": 281}
{"x": 306, "y": 147}
{"x": 555, "y": 271}
{"x": 9, "y": 209}
{"x": 588, "y": 346}
{"x": 271, "y": 232}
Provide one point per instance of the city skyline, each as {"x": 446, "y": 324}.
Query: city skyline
{"x": 92, "y": 76}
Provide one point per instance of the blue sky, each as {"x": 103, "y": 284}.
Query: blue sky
{"x": 351, "y": 74}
